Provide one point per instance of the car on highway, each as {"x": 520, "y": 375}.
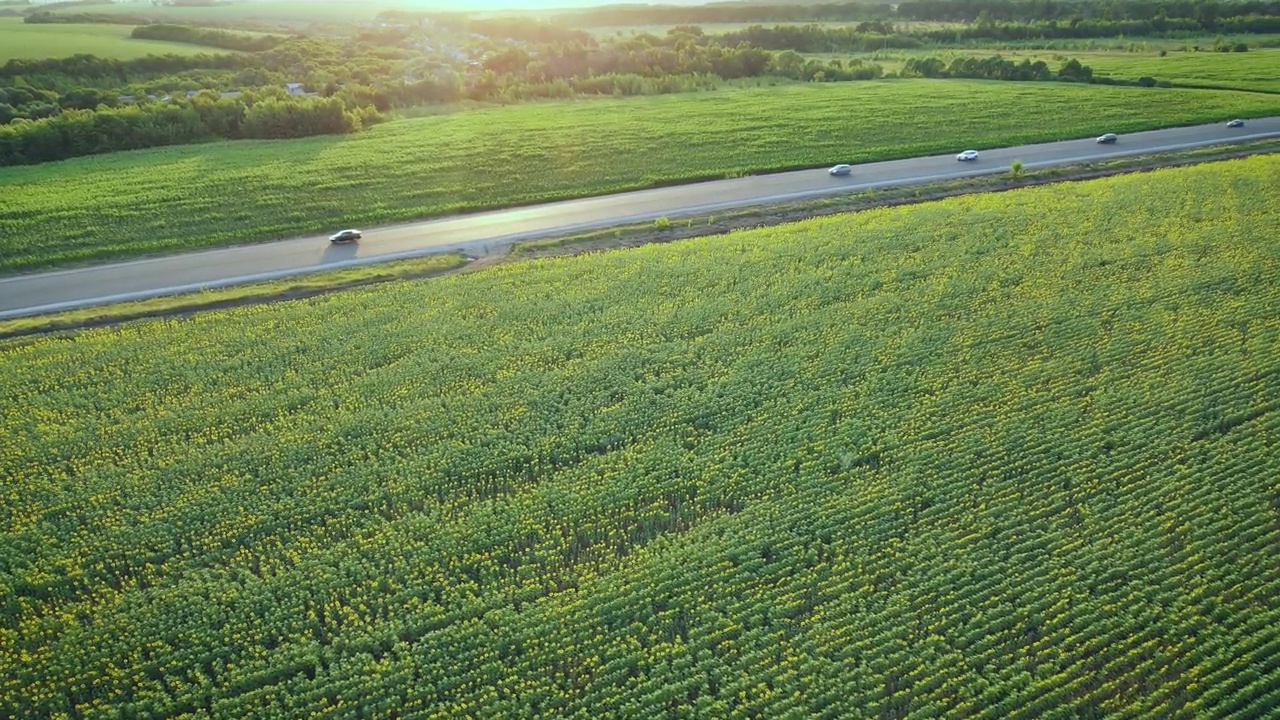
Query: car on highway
{"x": 1107, "y": 139}
{"x": 841, "y": 170}
{"x": 967, "y": 155}
{"x": 1236, "y": 123}
{"x": 343, "y": 237}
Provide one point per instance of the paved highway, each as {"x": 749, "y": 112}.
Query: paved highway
{"x": 48, "y": 292}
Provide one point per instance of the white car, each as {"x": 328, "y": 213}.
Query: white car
{"x": 841, "y": 170}
{"x": 967, "y": 155}
{"x": 345, "y": 236}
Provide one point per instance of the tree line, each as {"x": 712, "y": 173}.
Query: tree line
{"x": 46, "y": 17}
{"x": 630, "y": 15}
{"x": 871, "y": 36}
{"x": 208, "y": 116}
{"x": 389, "y": 77}
{"x": 84, "y": 68}
{"x": 210, "y": 37}
{"x": 114, "y": 105}
{"x": 996, "y": 68}
{"x": 1029, "y": 11}
{"x": 1019, "y": 11}
{"x": 814, "y": 38}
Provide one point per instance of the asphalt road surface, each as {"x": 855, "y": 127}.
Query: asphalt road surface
{"x": 133, "y": 280}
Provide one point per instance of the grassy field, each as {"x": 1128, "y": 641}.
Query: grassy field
{"x": 1254, "y": 70}
{"x": 1122, "y": 43}
{"x": 984, "y": 457}
{"x": 281, "y": 11}
{"x": 217, "y": 194}
{"x": 19, "y": 40}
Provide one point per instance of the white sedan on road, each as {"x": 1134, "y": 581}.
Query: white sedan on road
{"x": 841, "y": 170}
{"x": 967, "y": 155}
{"x": 345, "y": 236}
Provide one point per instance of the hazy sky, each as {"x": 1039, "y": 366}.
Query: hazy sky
{"x": 369, "y": 8}
{"x": 495, "y": 4}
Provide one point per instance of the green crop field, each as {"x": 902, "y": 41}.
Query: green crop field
{"x": 1253, "y": 70}
{"x": 990, "y": 457}
{"x": 198, "y": 196}
{"x": 19, "y": 40}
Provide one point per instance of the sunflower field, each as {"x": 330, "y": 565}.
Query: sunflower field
{"x": 997, "y": 456}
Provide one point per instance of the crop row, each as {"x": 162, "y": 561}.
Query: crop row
{"x": 857, "y": 466}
